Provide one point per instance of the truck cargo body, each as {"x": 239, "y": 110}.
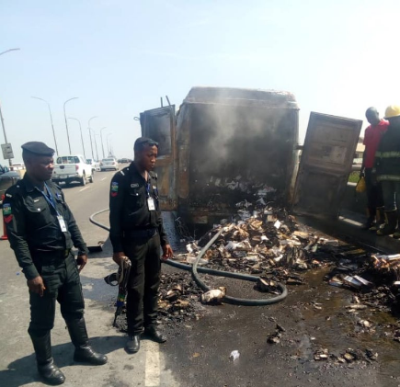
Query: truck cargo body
{"x": 224, "y": 143}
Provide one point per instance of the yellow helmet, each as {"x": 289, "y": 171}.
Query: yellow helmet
{"x": 392, "y": 111}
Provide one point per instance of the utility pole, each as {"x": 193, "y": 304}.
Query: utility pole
{"x": 101, "y": 137}
{"x": 95, "y": 144}
{"x": 80, "y": 128}
{"x": 90, "y": 135}
{"x": 51, "y": 121}
{"x": 4, "y": 132}
{"x": 66, "y": 122}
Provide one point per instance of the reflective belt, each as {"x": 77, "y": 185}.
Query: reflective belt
{"x": 388, "y": 178}
{"x": 387, "y": 155}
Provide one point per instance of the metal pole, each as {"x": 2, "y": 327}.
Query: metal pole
{"x": 4, "y": 132}
{"x": 80, "y": 128}
{"x": 1, "y": 114}
{"x": 101, "y": 137}
{"x": 108, "y": 144}
{"x": 51, "y": 121}
{"x": 66, "y": 122}
{"x": 90, "y": 135}
{"x": 95, "y": 145}
{"x": 11, "y": 49}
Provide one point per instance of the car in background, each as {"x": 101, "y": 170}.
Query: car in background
{"x": 124, "y": 161}
{"x": 109, "y": 163}
{"x": 7, "y": 179}
{"x": 95, "y": 164}
{"x": 73, "y": 168}
{"x": 17, "y": 167}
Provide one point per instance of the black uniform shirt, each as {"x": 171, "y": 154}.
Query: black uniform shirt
{"x": 33, "y": 226}
{"x": 128, "y": 205}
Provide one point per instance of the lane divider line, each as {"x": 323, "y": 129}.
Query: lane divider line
{"x": 152, "y": 365}
{"x": 83, "y": 189}
{"x": 103, "y": 178}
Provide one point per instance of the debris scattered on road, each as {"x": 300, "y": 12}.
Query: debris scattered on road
{"x": 234, "y": 355}
{"x": 213, "y": 296}
{"x": 321, "y": 354}
{"x": 275, "y": 338}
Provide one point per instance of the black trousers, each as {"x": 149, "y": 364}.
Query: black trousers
{"x": 374, "y": 192}
{"x": 142, "y": 292}
{"x": 61, "y": 279}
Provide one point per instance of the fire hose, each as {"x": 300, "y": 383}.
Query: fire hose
{"x": 196, "y": 270}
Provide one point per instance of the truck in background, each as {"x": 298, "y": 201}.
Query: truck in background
{"x": 74, "y": 168}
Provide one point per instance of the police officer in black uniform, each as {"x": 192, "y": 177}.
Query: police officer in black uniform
{"x": 42, "y": 231}
{"x": 137, "y": 232}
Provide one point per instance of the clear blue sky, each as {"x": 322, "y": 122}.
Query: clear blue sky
{"x": 120, "y": 56}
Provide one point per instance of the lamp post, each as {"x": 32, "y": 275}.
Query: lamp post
{"x": 101, "y": 137}
{"x": 90, "y": 135}
{"x": 95, "y": 144}
{"x": 66, "y": 122}
{"x": 108, "y": 144}
{"x": 11, "y": 49}
{"x": 80, "y": 128}
{"x": 1, "y": 114}
{"x": 51, "y": 121}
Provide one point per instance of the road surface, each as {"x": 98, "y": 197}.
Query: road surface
{"x": 197, "y": 353}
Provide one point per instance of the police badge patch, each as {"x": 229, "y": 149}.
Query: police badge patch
{"x": 114, "y": 189}
{"x": 7, "y": 213}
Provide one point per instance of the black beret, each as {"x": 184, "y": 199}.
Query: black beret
{"x": 38, "y": 148}
{"x": 143, "y": 141}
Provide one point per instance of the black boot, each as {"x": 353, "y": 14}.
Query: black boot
{"x": 370, "y": 223}
{"x": 48, "y": 370}
{"x": 391, "y": 223}
{"x": 84, "y": 353}
{"x": 133, "y": 344}
{"x": 153, "y": 334}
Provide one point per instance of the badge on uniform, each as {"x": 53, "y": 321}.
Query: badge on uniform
{"x": 151, "y": 204}
{"x": 62, "y": 224}
{"x": 114, "y": 189}
{"x": 7, "y": 214}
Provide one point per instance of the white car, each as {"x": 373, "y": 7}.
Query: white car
{"x": 68, "y": 169}
{"x": 109, "y": 163}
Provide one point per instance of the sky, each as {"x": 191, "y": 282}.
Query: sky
{"x": 120, "y": 56}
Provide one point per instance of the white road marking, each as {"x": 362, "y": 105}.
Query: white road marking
{"x": 83, "y": 189}
{"x": 103, "y": 178}
{"x": 152, "y": 368}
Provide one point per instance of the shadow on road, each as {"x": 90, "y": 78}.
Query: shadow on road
{"x": 23, "y": 371}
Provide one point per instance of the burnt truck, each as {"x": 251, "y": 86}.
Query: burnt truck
{"x": 222, "y": 140}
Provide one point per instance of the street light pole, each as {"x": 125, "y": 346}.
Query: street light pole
{"x": 80, "y": 128}
{"x": 108, "y": 144}
{"x": 90, "y": 135}
{"x": 101, "y": 137}
{"x": 51, "y": 121}
{"x": 1, "y": 114}
{"x": 95, "y": 144}
{"x": 66, "y": 122}
{"x": 11, "y": 49}
{"x": 5, "y": 134}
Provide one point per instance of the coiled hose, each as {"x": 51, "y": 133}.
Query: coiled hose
{"x": 196, "y": 270}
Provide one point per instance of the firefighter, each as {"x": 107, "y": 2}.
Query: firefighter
{"x": 387, "y": 165}
{"x": 136, "y": 231}
{"x": 42, "y": 230}
{"x": 372, "y": 139}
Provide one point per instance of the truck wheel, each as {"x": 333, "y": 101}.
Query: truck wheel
{"x": 83, "y": 180}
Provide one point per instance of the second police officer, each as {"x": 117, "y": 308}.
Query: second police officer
{"x": 136, "y": 231}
